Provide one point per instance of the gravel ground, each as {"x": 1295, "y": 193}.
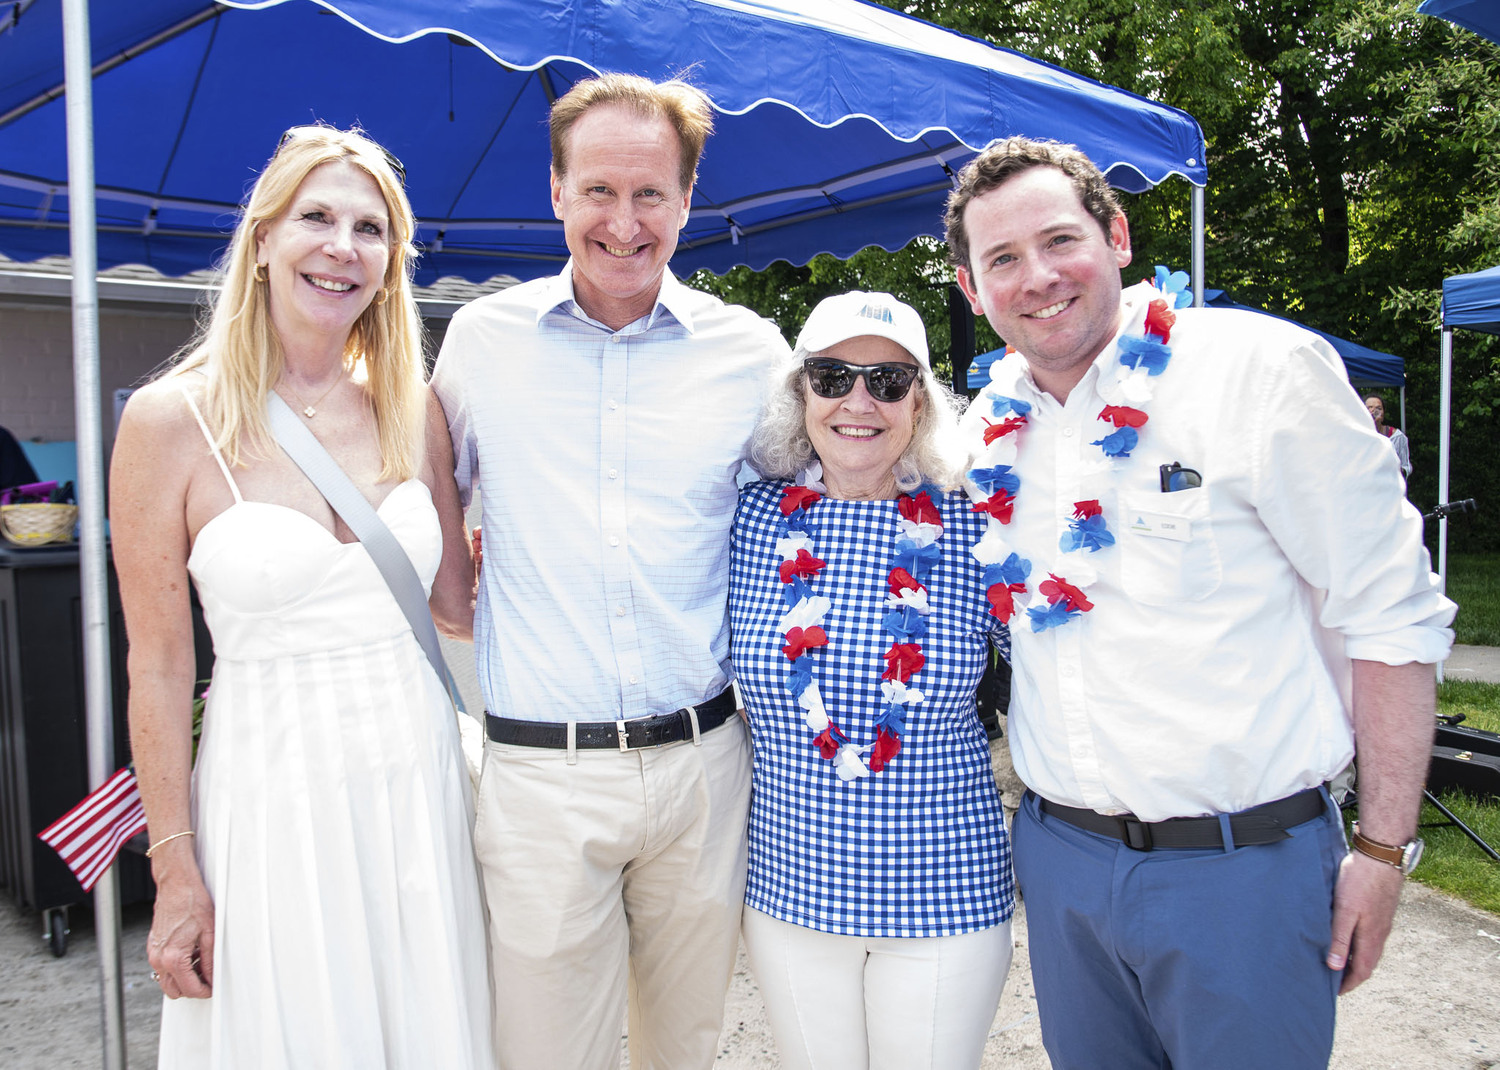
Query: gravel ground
{"x": 1434, "y": 1002}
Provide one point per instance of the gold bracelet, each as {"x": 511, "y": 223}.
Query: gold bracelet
{"x": 168, "y": 839}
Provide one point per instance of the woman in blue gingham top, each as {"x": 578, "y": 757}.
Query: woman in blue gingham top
{"x": 879, "y": 906}
{"x": 919, "y": 848}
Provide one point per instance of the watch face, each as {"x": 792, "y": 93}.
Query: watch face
{"x": 1411, "y": 856}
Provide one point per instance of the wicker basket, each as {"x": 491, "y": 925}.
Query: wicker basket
{"x": 38, "y": 523}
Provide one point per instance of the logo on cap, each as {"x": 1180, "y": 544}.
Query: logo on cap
{"x": 877, "y": 312}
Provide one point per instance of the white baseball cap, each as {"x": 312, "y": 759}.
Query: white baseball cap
{"x": 850, "y": 315}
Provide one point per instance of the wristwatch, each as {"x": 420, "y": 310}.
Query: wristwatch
{"x": 1403, "y": 856}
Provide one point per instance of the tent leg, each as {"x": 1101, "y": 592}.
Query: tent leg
{"x": 93, "y": 577}
{"x": 1445, "y": 445}
{"x": 1445, "y": 406}
{"x": 1196, "y": 195}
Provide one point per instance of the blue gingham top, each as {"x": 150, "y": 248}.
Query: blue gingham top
{"x": 920, "y": 848}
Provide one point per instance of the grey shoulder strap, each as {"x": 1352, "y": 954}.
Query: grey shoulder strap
{"x": 303, "y": 447}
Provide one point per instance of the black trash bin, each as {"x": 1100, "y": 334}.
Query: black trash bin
{"x": 43, "y": 732}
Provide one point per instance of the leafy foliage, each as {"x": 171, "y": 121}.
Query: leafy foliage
{"x": 1353, "y": 160}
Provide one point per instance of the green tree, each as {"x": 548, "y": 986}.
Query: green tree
{"x": 1353, "y": 163}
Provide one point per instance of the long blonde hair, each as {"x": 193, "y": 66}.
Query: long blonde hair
{"x": 239, "y": 349}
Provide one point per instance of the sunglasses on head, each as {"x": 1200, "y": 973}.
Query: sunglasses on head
{"x": 831, "y": 378}
{"x": 294, "y": 132}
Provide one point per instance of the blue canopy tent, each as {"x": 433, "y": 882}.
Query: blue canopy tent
{"x": 1481, "y": 16}
{"x": 1470, "y": 303}
{"x": 841, "y": 125}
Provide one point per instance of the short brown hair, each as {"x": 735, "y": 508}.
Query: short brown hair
{"x": 685, "y": 107}
{"x": 1003, "y": 160}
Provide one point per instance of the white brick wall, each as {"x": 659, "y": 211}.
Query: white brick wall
{"x": 36, "y": 363}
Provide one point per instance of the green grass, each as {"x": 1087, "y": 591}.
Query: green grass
{"x": 1474, "y": 583}
{"x": 1453, "y": 863}
{"x": 1479, "y": 703}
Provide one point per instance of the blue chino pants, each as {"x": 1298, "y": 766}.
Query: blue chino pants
{"x": 1180, "y": 958}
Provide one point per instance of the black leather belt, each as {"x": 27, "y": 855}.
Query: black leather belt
{"x": 655, "y": 731}
{"x": 1258, "y": 825}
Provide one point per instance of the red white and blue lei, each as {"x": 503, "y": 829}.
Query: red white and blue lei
{"x": 802, "y": 624}
{"x": 994, "y": 485}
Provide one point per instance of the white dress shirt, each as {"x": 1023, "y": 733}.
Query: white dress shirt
{"x": 1213, "y": 673}
{"x": 607, "y": 461}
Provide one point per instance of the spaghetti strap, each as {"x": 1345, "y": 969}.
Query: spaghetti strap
{"x": 233, "y": 486}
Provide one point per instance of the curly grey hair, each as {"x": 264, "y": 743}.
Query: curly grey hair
{"x": 781, "y": 449}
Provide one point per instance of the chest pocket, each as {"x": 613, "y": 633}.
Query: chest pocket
{"x": 1157, "y": 570}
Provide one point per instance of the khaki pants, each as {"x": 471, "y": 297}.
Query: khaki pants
{"x": 620, "y": 871}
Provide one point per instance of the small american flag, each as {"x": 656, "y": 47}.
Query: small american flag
{"x": 90, "y": 835}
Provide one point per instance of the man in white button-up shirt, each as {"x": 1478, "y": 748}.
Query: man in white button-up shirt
{"x": 606, "y": 411}
{"x": 1215, "y": 588}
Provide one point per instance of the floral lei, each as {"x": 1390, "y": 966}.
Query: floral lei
{"x": 994, "y": 483}
{"x": 802, "y": 624}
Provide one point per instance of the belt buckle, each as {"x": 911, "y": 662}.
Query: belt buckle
{"x": 652, "y": 730}
{"x": 1135, "y": 832}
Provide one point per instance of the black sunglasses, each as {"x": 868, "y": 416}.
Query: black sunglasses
{"x": 390, "y": 158}
{"x": 831, "y": 378}
{"x": 1174, "y": 477}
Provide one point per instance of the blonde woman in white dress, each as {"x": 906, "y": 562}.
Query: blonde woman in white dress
{"x": 317, "y": 898}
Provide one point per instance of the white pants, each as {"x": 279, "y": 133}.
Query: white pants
{"x": 618, "y": 871}
{"x": 883, "y": 1003}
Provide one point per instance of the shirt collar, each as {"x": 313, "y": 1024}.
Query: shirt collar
{"x": 673, "y": 299}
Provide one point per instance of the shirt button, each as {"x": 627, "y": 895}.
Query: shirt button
{"x": 617, "y": 338}
{"x": 614, "y": 540}
{"x": 619, "y": 611}
{"x": 1067, "y": 671}
{"x": 614, "y": 473}
{"x": 613, "y": 404}
{"x": 634, "y": 680}
{"x": 1067, "y": 432}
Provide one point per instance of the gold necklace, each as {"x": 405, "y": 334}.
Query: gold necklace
{"x": 309, "y": 410}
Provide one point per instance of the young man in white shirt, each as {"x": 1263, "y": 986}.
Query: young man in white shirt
{"x": 1216, "y": 586}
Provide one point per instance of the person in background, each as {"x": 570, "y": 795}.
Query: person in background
{"x": 1218, "y": 595}
{"x": 15, "y": 469}
{"x": 880, "y": 890}
{"x": 1395, "y": 435}
{"x": 604, "y": 413}
{"x": 317, "y": 898}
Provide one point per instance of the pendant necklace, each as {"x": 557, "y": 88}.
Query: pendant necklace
{"x": 310, "y": 411}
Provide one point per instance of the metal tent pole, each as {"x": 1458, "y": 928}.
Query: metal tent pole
{"x": 92, "y": 569}
{"x": 1445, "y": 403}
{"x": 1197, "y": 206}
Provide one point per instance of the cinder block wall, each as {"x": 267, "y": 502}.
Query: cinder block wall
{"x": 36, "y": 363}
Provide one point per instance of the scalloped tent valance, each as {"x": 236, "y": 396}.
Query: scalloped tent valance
{"x": 841, "y": 122}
